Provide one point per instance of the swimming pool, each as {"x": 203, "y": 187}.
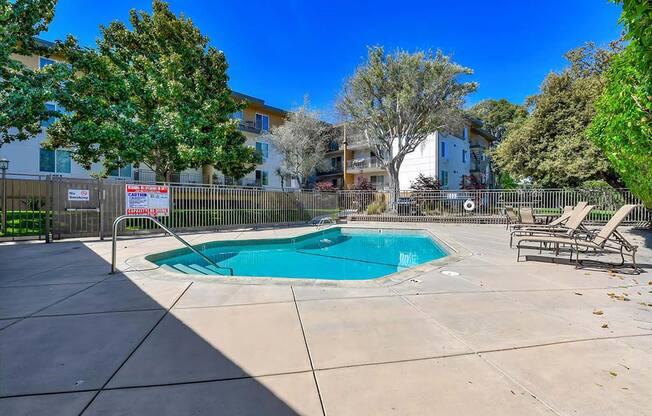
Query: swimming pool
{"x": 336, "y": 253}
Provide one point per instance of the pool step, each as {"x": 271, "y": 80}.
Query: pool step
{"x": 201, "y": 269}
{"x": 197, "y": 269}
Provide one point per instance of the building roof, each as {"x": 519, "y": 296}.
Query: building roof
{"x": 258, "y": 101}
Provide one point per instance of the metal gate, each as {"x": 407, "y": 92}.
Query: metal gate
{"x": 76, "y": 206}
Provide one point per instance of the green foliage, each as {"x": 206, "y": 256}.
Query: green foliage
{"x": 498, "y": 116}
{"x": 377, "y": 207}
{"x": 152, "y": 92}
{"x": 505, "y": 181}
{"x": 425, "y": 183}
{"x": 24, "y": 91}
{"x": 622, "y": 127}
{"x": 551, "y": 146}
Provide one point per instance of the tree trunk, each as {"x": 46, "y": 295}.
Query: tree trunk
{"x": 394, "y": 189}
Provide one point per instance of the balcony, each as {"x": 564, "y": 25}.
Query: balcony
{"x": 365, "y": 164}
{"x": 250, "y": 126}
{"x": 329, "y": 170}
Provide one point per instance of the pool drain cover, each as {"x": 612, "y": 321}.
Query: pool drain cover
{"x": 449, "y": 273}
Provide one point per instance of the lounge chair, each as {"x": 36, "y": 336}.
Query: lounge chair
{"x": 570, "y": 219}
{"x": 330, "y": 219}
{"x": 607, "y": 240}
{"x": 511, "y": 216}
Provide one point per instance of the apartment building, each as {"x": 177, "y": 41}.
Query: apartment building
{"x": 29, "y": 157}
{"x": 449, "y": 157}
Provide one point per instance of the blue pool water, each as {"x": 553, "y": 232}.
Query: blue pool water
{"x": 335, "y": 253}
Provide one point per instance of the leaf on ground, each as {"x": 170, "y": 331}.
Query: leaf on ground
{"x": 605, "y": 325}
{"x": 650, "y": 282}
{"x": 597, "y": 312}
{"x": 578, "y": 294}
{"x": 613, "y": 373}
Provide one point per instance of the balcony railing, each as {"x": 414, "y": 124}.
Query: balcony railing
{"x": 329, "y": 170}
{"x": 251, "y": 127}
{"x": 365, "y": 163}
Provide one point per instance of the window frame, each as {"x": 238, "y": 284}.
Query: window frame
{"x": 264, "y": 149}
{"x": 263, "y": 117}
{"x": 443, "y": 150}
{"x": 443, "y": 177}
{"x": 56, "y": 153}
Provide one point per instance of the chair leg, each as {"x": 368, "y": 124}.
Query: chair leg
{"x": 518, "y": 252}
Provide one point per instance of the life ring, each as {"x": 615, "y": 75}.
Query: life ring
{"x": 469, "y": 205}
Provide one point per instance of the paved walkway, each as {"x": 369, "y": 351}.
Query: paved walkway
{"x": 494, "y": 338}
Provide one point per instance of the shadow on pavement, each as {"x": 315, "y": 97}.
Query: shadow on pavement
{"x": 75, "y": 340}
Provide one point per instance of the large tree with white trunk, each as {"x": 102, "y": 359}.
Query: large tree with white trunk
{"x": 396, "y": 100}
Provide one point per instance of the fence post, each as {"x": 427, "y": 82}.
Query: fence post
{"x": 48, "y": 207}
{"x": 100, "y": 213}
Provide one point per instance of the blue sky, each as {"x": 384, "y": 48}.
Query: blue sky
{"x": 283, "y": 50}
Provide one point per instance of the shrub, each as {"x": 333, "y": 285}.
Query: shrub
{"x": 425, "y": 183}
{"x": 377, "y": 207}
{"x": 363, "y": 184}
{"x": 324, "y": 186}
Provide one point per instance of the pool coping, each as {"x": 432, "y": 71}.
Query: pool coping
{"x": 455, "y": 253}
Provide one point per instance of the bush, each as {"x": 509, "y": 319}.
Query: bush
{"x": 377, "y": 207}
{"x": 363, "y": 184}
{"x": 324, "y": 186}
{"x": 425, "y": 183}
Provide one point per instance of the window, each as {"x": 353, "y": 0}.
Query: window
{"x": 262, "y": 179}
{"x": 54, "y": 161}
{"x": 378, "y": 182}
{"x": 238, "y": 116}
{"x": 443, "y": 177}
{"x": 465, "y": 133}
{"x": 262, "y": 122}
{"x": 49, "y": 107}
{"x": 43, "y": 62}
{"x": 443, "y": 149}
{"x": 464, "y": 156}
{"x": 123, "y": 172}
{"x": 263, "y": 150}
{"x": 336, "y": 163}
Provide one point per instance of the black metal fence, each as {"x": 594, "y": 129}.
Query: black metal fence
{"x": 41, "y": 207}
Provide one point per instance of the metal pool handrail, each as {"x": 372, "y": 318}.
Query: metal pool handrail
{"x": 167, "y": 230}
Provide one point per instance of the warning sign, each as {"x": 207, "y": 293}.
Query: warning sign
{"x": 79, "y": 195}
{"x": 151, "y": 200}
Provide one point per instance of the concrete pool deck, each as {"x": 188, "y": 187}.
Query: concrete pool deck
{"x": 496, "y": 337}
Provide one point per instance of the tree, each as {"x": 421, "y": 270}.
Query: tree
{"x": 24, "y": 91}
{"x": 398, "y": 99}
{"x": 551, "y": 146}
{"x": 152, "y": 93}
{"x": 302, "y": 141}
{"x": 498, "y": 116}
{"x": 622, "y": 127}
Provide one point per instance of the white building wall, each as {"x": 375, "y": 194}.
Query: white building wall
{"x": 427, "y": 159}
{"x": 24, "y": 159}
{"x": 423, "y": 160}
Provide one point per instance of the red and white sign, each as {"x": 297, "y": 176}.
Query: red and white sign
{"x": 151, "y": 200}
